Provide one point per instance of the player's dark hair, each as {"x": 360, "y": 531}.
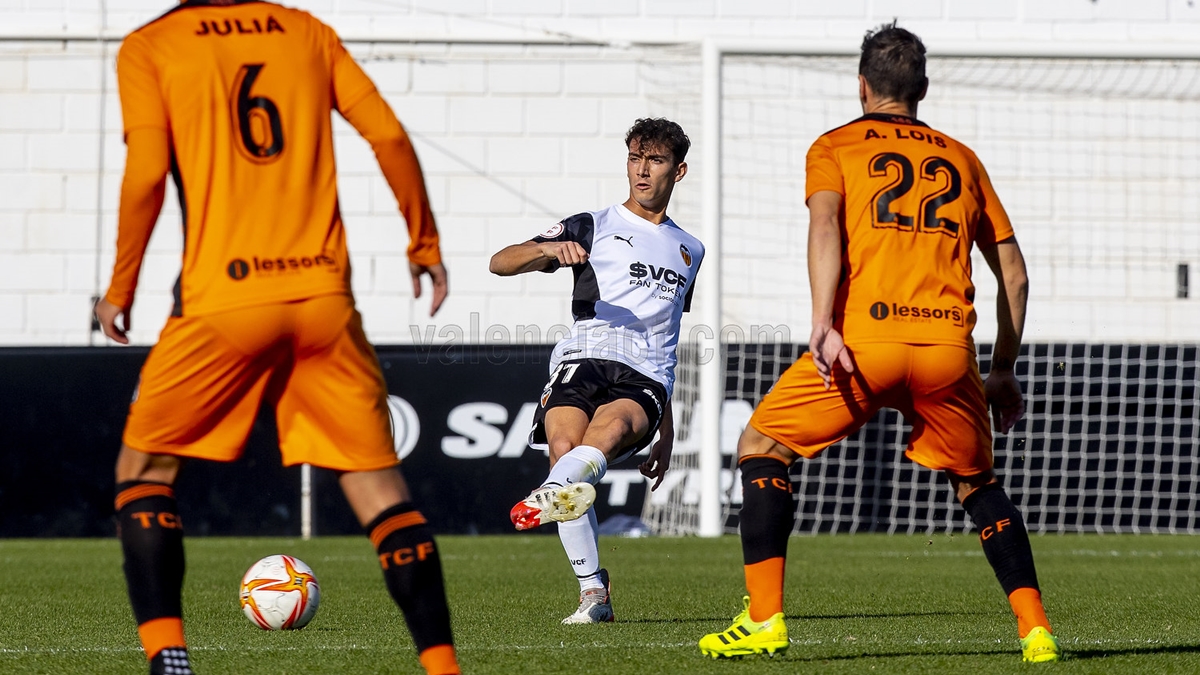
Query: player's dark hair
{"x": 893, "y": 63}
{"x": 660, "y": 131}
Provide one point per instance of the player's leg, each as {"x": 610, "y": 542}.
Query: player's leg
{"x": 568, "y": 403}
{"x": 1006, "y": 545}
{"x": 199, "y": 394}
{"x": 952, "y": 433}
{"x": 766, "y": 518}
{"x": 332, "y": 413}
{"x": 408, "y": 555}
{"x": 626, "y": 417}
{"x": 151, "y": 536}
{"x": 615, "y": 427}
{"x": 797, "y": 418}
{"x": 558, "y": 498}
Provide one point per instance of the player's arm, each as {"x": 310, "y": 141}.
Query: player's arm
{"x": 147, "y": 161}
{"x": 824, "y": 271}
{"x": 1002, "y": 389}
{"x": 361, "y": 104}
{"x": 655, "y": 467}
{"x": 143, "y": 187}
{"x": 536, "y": 256}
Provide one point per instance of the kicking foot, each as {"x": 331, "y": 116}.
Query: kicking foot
{"x": 553, "y": 503}
{"x": 745, "y": 637}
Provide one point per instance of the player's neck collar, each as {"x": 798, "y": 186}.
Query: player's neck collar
{"x": 632, "y": 217}
{"x": 894, "y": 119}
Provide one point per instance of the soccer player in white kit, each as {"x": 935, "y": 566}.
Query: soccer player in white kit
{"x": 611, "y": 379}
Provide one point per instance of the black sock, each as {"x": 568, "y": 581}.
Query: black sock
{"x": 768, "y": 510}
{"x": 413, "y": 573}
{"x": 152, "y": 539}
{"x": 1002, "y": 533}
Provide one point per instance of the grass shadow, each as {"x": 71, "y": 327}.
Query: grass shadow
{"x": 1073, "y": 654}
{"x": 883, "y": 615}
{"x": 804, "y": 617}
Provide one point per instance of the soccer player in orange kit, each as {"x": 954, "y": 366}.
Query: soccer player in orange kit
{"x": 233, "y": 99}
{"x": 895, "y": 208}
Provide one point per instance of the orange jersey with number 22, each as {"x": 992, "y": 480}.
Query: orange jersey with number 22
{"x": 914, "y": 202}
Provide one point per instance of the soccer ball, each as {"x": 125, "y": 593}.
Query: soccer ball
{"x": 280, "y": 592}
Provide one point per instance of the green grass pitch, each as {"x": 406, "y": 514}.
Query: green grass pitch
{"x": 855, "y": 604}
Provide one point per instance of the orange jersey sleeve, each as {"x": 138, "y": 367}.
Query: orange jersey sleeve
{"x": 822, "y": 171}
{"x": 247, "y": 90}
{"x": 915, "y": 203}
{"x": 994, "y": 226}
{"x": 140, "y": 92}
{"x": 141, "y": 108}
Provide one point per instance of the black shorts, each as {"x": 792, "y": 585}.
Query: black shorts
{"x": 587, "y": 384}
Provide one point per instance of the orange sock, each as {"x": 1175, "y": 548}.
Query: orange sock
{"x": 440, "y": 660}
{"x": 764, "y": 580}
{"x": 158, "y": 634}
{"x": 1027, "y": 605}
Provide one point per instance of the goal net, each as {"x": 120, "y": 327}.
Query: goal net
{"x": 1097, "y": 162}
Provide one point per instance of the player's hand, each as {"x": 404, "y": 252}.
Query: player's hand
{"x": 108, "y": 314}
{"x": 565, "y": 252}
{"x": 659, "y": 461}
{"x": 827, "y": 348}
{"x": 437, "y": 274}
{"x": 1003, "y": 392}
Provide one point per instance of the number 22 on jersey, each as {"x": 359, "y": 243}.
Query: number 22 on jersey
{"x": 947, "y": 186}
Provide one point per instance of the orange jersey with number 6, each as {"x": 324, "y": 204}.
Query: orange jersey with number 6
{"x": 245, "y": 91}
{"x": 914, "y": 201}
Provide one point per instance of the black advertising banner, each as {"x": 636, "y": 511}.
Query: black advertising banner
{"x": 461, "y": 416}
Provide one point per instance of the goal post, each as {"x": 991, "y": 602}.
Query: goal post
{"x": 1145, "y": 142}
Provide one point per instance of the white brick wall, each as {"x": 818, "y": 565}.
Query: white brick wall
{"x": 514, "y": 137}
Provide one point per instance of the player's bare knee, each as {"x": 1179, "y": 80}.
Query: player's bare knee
{"x": 754, "y": 442}
{"x": 135, "y": 465}
{"x": 965, "y": 485}
{"x": 559, "y": 446}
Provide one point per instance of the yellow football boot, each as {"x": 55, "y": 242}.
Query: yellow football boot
{"x": 745, "y": 637}
{"x": 1039, "y": 646}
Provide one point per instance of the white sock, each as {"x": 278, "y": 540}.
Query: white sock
{"x": 584, "y": 464}
{"x": 581, "y": 541}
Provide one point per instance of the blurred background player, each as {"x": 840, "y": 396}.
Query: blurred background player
{"x": 611, "y": 379}
{"x": 233, "y": 99}
{"x": 895, "y": 207}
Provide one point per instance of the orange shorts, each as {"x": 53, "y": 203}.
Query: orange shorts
{"x": 203, "y": 384}
{"x": 936, "y": 387}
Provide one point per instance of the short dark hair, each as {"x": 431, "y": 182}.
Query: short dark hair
{"x": 893, "y": 63}
{"x": 660, "y": 131}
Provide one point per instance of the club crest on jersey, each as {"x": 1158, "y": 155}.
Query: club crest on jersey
{"x": 686, "y": 255}
{"x": 545, "y": 396}
{"x": 554, "y": 231}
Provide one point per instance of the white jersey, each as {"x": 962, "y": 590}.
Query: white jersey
{"x": 631, "y": 294}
